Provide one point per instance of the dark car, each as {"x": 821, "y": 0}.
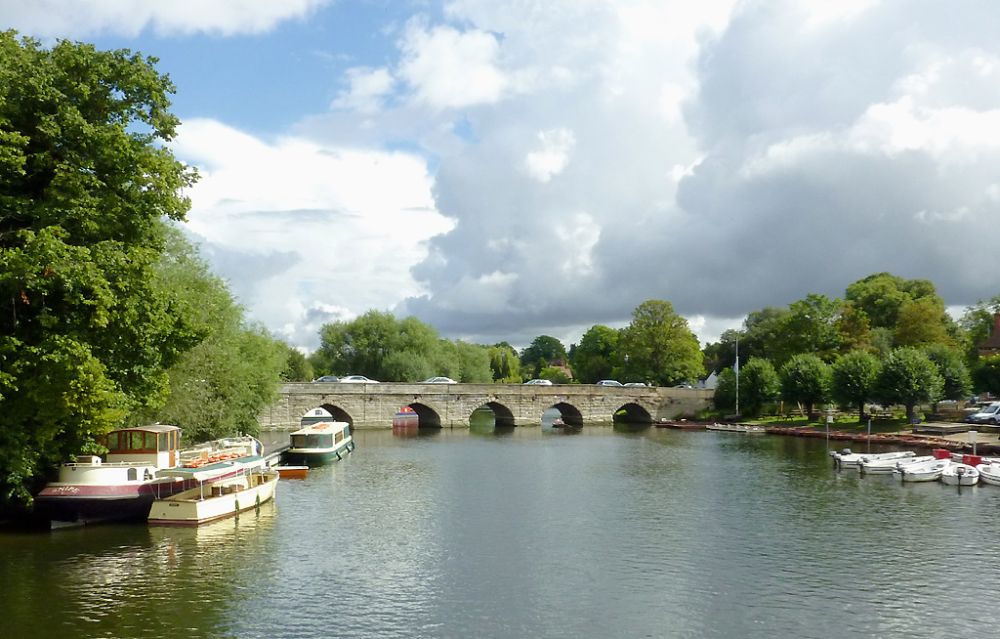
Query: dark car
{"x": 327, "y": 378}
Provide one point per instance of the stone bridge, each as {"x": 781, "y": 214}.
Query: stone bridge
{"x": 451, "y": 405}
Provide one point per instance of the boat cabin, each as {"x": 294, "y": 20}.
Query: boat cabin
{"x": 157, "y": 444}
{"x": 324, "y": 435}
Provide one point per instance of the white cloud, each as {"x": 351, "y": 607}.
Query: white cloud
{"x": 78, "y": 18}
{"x": 448, "y": 68}
{"x": 306, "y": 232}
{"x": 552, "y": 156}
{"x": 367, "y": 89}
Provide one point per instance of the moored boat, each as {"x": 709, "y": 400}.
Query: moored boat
{"x": 848, "y": 459}
{"x": 319, "y": 443}
{"x": 746, "y": 429}
{"x": 924, "y": 471}
{"x": 887, "y": 466}
{"x": 989, "y": 473}
{"x": 211, "y": 501}
{"x": 292, "y": 472}
{"x": 958, "y": 474}
{"x": 124, "y": 484}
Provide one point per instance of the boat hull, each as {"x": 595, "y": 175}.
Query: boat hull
{"x": 223, "y": 500}
{"x": 86, "y": 504}
{"x": 318, "y": 457}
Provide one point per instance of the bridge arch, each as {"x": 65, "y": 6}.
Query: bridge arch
{"x": 502, "y": 416}
{"x": 426, "y": 416}
{"x": 632, "y": 413}
{"x": 325, "y": 413}
{"x": 569, "y": 413}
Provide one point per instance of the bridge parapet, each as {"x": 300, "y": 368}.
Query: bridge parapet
{"x": 373, "y": 405}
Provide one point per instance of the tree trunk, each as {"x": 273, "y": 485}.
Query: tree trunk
{"x": 861, "y": 412}
{"x": 909, "y": 413}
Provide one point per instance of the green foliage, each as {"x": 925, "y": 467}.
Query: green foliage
{"x": 85, "y": 182}
{"x": 881, "y": 296}
{"x": 977, "y": 325}
{"x": 297, "y": 367}
{"x": 764, "y": 333}
{"x": 758, "y": 386}
{"x": 658, "y": 345}
{"x": 986, "y": 375}
{"x": 382, "y": 347}
{"x": 725, "y": 390}
{"x": 853, "y": 379}
{"x": 805, "y": 379}
{"x": 555, "y": 375}
{"x": 923, "y": 322}
{"x": 595, "y": 356}
{"x": 542, "y": 351}
{"x": 811, "y": 327}
{"x": 505, "y": 365}
{"x": 950, "y": 366}
{"x": 908, "y": 377}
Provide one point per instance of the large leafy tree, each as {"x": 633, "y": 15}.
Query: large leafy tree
{"x": 908, "y": 377}
{"x": 956, "y": 381}
{"x": 759, "y": 385}
{"x": 595, "y": 356}
{"x": 764, "y": 333}
{"x": 881, "y": 296}
{"x": 853, "y": 379}
{"x": 805, "y": 379}
{"x": 986, "y": 375}
{"x": 504, "y": 363}
{"x": 923, "y": 322}
{"x": 659, "y": 346}
{"x": 543, "y": 351}
{"x": 85, "y": 182}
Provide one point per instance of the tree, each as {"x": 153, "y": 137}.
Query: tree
{"x": 542, "y": 351}
{"x": 987, "y": 375}
{"x": 759, "y": 385}
{"x": 595, "y": 356}
{"x": 554, "y": 375}
{"x": 954, "y": 374}
{"x": 297, "y": 367}
{"x": 86, "y": 179}
{"x": 658, "y": 345}
{"x": 854, "y": 328}
{"x": 977, "y": 325}
{"x": 922, "y": 322}
{"x": 721, "y": 355}
{"x": 504, "y": 363}
{"x": 725, "y": 389}
{"x": 805, "y": 379}
{"x": 853, "y": 379}
{"x": 908, "y": 377}
{"x": 764, "y": 333}
{"x": 811, "y": 327}
{"x": 474, "y": 363}
{"x": 881, "y": 296}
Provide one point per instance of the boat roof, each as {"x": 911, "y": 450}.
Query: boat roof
{"x": 149, "y": 428}
{"x": 320, "y": 428}
{"x": 211, "y": 471}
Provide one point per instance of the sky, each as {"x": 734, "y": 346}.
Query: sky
{"x": 503, "y": 170}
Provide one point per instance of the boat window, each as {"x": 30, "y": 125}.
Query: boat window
{"x": 340, "y": 436}
{"x": 133, "y": 474}
{"x": 150, "y": 441}
{"x": 111, "y": 442}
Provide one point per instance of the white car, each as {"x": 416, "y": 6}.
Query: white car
{"x": 439, "y": 380}
{"x": 357, "y": 379}
{"x": 609, "y": 382}
{"x": 635, "y": 385}
{"x": 539, "y": 382}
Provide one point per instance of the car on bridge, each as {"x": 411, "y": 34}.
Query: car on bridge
{"x": 609, "y": 382}
{"x": 635, "y": 385}
{"x": 539, "y": 382}
{"x": 439, "y": 380}
{"x": 357, "y": 379}
{"x": 327, "y": 379}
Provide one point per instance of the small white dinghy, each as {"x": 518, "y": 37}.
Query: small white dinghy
{"x": 888, "y": 466}
{"x": 924, "y": 471}
{"x": 958, "y": 474}
{"x": 847, "y": 459}
{"x": 989, "y": 473}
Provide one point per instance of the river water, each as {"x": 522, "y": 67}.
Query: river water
{"x": 531, "y": 532}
